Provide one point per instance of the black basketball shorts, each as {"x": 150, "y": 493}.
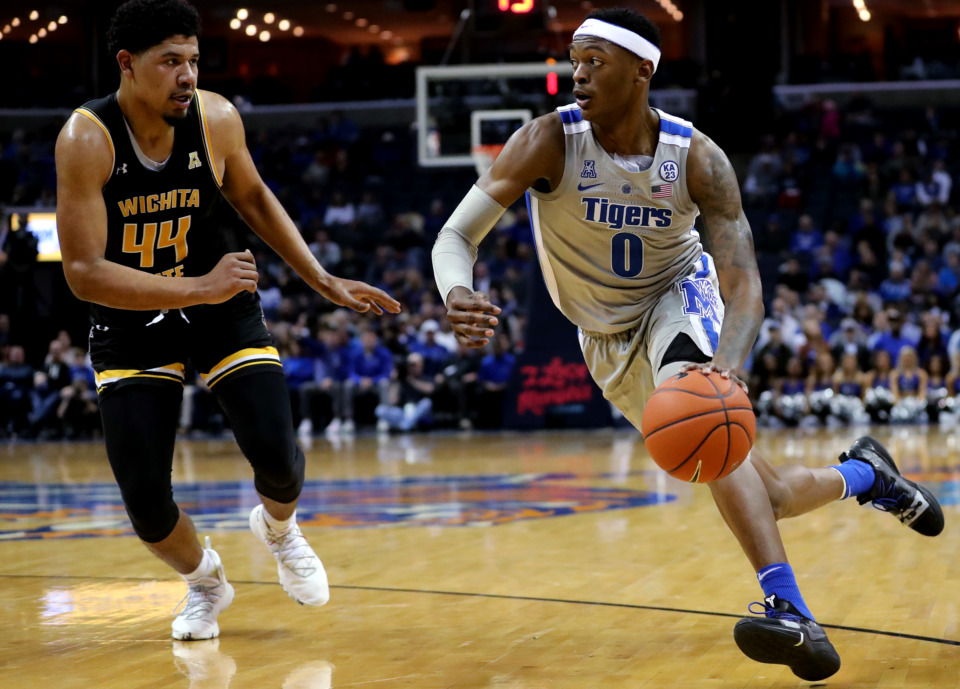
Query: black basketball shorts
{"x": 220, "y": 340}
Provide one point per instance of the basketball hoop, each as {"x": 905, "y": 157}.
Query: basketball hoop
{"x": 484, "y": 155}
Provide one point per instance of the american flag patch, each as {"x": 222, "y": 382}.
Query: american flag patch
{"x": 661, "y": 191}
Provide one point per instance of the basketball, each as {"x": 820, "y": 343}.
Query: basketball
{"x": 698, "y": 427}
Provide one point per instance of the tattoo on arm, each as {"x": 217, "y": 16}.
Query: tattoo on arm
{"x": 728, "y": 238}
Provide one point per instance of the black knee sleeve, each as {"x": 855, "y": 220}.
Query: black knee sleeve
{"x": 258, "y": 407}
{"x": 140, "y": 426}
{"x": 281, "y": 481}
{"x": 153, "y": 515}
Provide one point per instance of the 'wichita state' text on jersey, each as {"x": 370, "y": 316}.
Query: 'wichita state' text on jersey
{"x": 158, "y": 220}
{"x": 610, "y": 241}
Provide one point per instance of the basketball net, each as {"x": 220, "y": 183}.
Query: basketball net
{"x": 484, "y": 155}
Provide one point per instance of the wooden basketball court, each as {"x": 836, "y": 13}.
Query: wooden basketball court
{"x": 561, "y": 560}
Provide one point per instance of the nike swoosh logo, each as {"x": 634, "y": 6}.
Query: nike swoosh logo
{"x": 769, "y": 571}
{"x": 589, "y": 186}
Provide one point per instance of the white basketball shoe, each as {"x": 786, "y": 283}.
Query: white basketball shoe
{"x": 301, "y": 573}
{"x": 206, "y": 598}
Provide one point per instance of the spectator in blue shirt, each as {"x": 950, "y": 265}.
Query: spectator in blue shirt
{"x": 370, "y": 372}
{"x": 895, "y": 288}
{"x": 435, "y": 355}
{"x": 16, "y": 382}
{"x": 325, "y": 372}
{"x": 806, "y": 239}
{"x": 892, "y": 340}
{"x": 949, "y": 276}
{"x": 492, "y": 379}
{"x": 904, "y": 191}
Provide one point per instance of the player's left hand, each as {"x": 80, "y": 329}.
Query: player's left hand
{"x": 710, "y": 367}
{"x": 358, "y": 296}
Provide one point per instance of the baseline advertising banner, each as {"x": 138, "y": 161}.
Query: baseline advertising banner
{"x": 551, "y": 386}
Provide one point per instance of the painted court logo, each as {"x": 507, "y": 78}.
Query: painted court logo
{"x": 51, "y": 511}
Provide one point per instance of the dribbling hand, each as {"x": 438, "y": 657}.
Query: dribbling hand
{"x": 472, "y": 316}
{"x": 710, "y": 367}
{"x": 234, "y": 273}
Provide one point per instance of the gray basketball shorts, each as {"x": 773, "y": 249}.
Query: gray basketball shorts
{"x": 628, "y": 366}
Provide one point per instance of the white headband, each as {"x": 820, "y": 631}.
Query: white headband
{"x": 625, "y": 38}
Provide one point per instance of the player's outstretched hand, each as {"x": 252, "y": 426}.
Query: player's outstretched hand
{"x": 472, "y": 316}
{"x": 235, "y": 273}
{"x": 712, "y": 368}
{"x": 358, "y": 296}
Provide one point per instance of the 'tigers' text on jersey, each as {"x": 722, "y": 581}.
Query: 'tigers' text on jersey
{"x": 618, "y": 215}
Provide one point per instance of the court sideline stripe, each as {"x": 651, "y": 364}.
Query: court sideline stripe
{"x": 500, "y": 596}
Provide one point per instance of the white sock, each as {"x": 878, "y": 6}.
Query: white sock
{"x": 279, "y": 525}
{"x": 204, "y": 569}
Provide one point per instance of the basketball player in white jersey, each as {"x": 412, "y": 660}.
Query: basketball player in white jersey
{"x": 614, "y": 187}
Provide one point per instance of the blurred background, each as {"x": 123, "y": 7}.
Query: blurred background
{"x": 840, "y": 116}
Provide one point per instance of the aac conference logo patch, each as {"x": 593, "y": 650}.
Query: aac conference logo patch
{"x": 51, "y": 511}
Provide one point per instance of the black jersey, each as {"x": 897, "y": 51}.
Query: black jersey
{"x": 158, "y": 221}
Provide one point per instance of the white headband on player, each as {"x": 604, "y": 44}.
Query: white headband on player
{"x": 625, "y": 38}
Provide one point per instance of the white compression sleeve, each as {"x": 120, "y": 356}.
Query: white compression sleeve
{"x": 455, "y": 250}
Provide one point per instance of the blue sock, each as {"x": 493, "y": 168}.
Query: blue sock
{"x": 778, "y": 579}
{"x": 858, "y": 477}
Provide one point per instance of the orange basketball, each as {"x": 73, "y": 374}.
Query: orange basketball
{"x": 698, "y": 426}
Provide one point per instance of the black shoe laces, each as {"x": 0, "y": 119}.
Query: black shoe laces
{"x": 892, "y": 498}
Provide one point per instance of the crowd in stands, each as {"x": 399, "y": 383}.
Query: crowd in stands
{"x": 858, "y": 237}
{"x": 854, "y": 219}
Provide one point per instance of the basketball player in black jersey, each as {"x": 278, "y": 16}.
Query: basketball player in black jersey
{"x": 139, "y": 174}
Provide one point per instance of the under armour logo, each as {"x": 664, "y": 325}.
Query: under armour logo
{"x": 194, "y": 160}
{"x": 122, "y": 169}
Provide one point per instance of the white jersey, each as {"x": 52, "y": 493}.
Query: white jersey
{"x": 611, "y": 242}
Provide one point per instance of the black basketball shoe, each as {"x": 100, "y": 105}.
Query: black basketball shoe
{"x": 909, "y": 502}
{"x": 785, "y": 637}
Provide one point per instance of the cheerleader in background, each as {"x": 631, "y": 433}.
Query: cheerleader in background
{"x": 849, "y": 385}
{"x": 849, "y": 380}
{"x": 878, "y": 399}
{"x": 819, "y": 386}
{"x": 908, "y": 379}
{"x": 908, "y": 383}
{"x": 938, "y": 389}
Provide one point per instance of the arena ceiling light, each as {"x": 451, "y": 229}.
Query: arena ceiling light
{"x": 235, "y": 23}
{"x": 46, "y": 26}
{"x": 242, "y": 14}
{"x": 671, "y": 9}
{"x": 861, "y": 7}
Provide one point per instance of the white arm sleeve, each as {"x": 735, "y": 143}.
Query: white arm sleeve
{"x": 455, "y": 250}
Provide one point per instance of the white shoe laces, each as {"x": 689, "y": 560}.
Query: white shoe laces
{"x": 293, "y": 551}
{"x": 200, "y": 599}
{"x": 203, "y": 594}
